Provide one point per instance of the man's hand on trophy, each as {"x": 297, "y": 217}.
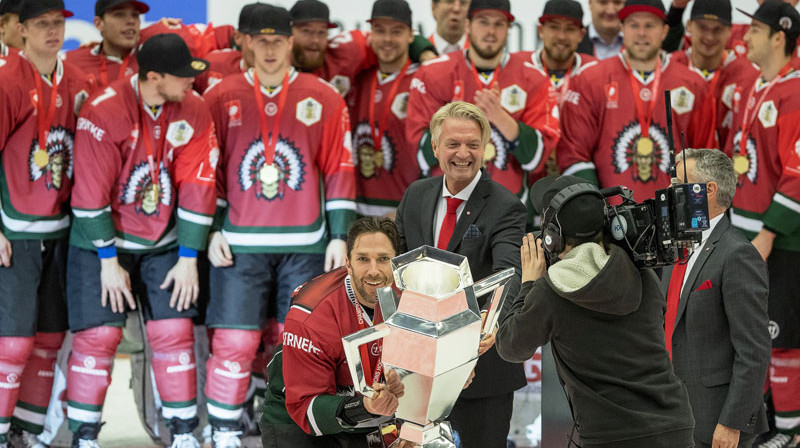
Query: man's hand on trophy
{"x": 394, "y": 384}
{"x": 488, "y": 340}
{"x": 400, "y": 443}
{"x": 469, "y": 380}
{"x": 534, "y": 263}
{"x": 382, "y": 402}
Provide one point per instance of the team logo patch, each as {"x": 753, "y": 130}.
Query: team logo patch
{"x": 341, "y": 83}
{"x": 369, "y": 160}
{"x": 54, "y": 161}
{"x": 727, "y": 95}
{"x": 612, "y": 95}
{"x": 89, "y": 362}
{"x": 768, "y": 114}
{"x": 513, "y": 98}
{"x": 290, "y": 170}
{"x": 645, "y": 159}
{"x": 179, "y": 133}
{"x": 400, "y": 106}
{"x": 141, "y": 190}
{"x": 184, "y": 358}
{"x": 682, "y": 100}
{"x": 774, "y": 329}
{"x": 309, "y": 111}
{"x": 751, "y": 161}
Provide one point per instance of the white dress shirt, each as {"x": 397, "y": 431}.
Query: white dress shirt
{"x": 443, "y": 47}
{"x": 441, "y": 206}
{"x": 699, "y": 248}
{"x": 602, "y": 50}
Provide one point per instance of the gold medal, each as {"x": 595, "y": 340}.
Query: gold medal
{"x": 268, "y": 173}
{"x": 41, "y": 158}
{"x": 644, "y": 146}
{"x": 489, "y": 153}
{"x": 740, "y": 164}
{"x": 153, "y": 193}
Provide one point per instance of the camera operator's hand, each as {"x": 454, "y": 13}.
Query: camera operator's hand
{"x": 763, "y": 242}
{"x": 534, "y": 263}
{"x": 725, "y": 437}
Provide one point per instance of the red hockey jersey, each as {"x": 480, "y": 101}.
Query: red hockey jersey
{"x": 347, "y": 55}
{"x": 200, "y": 38}
{"x": 769, "y": 191}
{"x": 736, "y": 74}
{"x": 601, "y": 129}
{"x": 561, "y": 84}
{"x": 526, "y": 94}
{"x": 221, "y": 63}
{"x": 101, "y": 69}
{"x": 313, "y": 194}
{"x": 5, "y": 50}
{"x": 35, "y": 184}
{"x": 382, "y": 173}
{"x": 315, "y": 370}
{"x": 115, "y": 198}
{"x": 736, "y": 41}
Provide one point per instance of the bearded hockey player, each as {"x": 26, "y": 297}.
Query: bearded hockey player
{"x": 764, "y": 144}
{"x": 143, "y": 204}
{"x": 41, "y": 97}
{"x": 287, "y": 196}
{"x": 385, "y": 162}
{"x": 516, "y": 97}
{"x": 613, "y": 119}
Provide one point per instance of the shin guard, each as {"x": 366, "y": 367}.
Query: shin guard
{"x": 228, "y": 373}
{"x": 89, "y": 373}
{"x": 37, "y": 384}
{"x": 784, "y": 378}
{"x": 172, "y": 342}
{"x": 14, "y": 353}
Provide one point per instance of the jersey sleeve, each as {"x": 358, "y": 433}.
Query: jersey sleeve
{"x": 9, "y": 114}
{"x": 195, "y": 174}
{"x": 219, "y": 115}
{"x": 539, "y": 130}
{"x": 580, "y": 129}
{"x": 701, "y": 131}
{"x": 423, "y": 102}
{"x": 336, "y": 166}
{"x": 783, "y": 214}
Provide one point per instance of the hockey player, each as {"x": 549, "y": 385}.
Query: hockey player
{"x": 10, "y": 40}
{"x": 764, "y": 145}
{"x": 516, "y": 97}
{"x": 311, "y": 402}
{"x": 41, "y": 97}
{"x": 287, "y": 195}
{"x": 613, "y": 119}
{"x": 143, "y": 203}
{"x": 385, "y": 162}
{"x": 115, "y": 57}
{"x": 727, "y": 73}
{"x": 451, "y": 19}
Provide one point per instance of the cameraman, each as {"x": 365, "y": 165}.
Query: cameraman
{"x": 605, "y": 319}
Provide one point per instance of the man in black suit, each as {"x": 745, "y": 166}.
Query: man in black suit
{"x": 466, "y": 212}
{"x": 716, "y": 321}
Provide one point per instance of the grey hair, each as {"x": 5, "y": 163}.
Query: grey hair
{"x": 712, "y": 165}
{"x": 462, "y": 111}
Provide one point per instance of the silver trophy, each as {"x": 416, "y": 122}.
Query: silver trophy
{"x": 430, "y": 337}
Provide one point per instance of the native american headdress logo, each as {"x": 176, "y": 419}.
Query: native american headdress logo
{"x": 55, "y": 161}
{"x": 142, "y": 191}
{"x": 496, "y": 152}
{"x": 749, "y": 152}
{"x": 646, "y": 159}
{"x": 368, "y": 159}
{"x": 288, "y": 164}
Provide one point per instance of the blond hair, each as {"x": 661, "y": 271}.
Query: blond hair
{"x": 462, "y": 111}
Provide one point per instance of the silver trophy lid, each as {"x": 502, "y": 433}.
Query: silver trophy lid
{"x": 431, "y": 271}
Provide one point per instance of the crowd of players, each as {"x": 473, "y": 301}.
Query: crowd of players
{"x": 114, "y": 175}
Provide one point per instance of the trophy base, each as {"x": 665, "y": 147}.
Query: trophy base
{"x": 432, "y": 435}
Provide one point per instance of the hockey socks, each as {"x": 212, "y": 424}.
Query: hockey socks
{"x": 228, "y": 373}
{"x": 37, "y": 384}
{"x": 14, "y": 353}
{"x": 172, "y": 342}
{"x": 784, "y": 378}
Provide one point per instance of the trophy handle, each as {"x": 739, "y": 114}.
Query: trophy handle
{"x": 497, "y": 283}
{"x": 351, "y": 343}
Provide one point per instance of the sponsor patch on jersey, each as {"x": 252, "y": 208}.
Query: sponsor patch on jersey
{"x": 234, "y": 108}
{"x": 309, "y": 111}
{"x": 341, "y": 83}
{"x": 768, "y": 114}
{"x": 300, "y": 343}
{"x": 612, "y": 95}
{"x": 418, "y": 84}
{"x": 92, "y": 129}
{"x": 513, "y": 98}
{"x": 179, "y": 133}
{"x": 682, "y": 100}
{"x": 400, "y": 106}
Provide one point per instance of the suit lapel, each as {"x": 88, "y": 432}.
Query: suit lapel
{"x": 472, "y": 209}
{"x": 429, "y": 201}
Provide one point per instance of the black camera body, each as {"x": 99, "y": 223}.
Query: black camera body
{"x": 659, "y": 231}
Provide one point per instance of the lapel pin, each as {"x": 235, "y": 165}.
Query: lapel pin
{"x": 467, "y": 212}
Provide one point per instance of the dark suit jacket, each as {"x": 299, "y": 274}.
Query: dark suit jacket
{"x": 721, "y": 344}
{"x": 489, "y": 233}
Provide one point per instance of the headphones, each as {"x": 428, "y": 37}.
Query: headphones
{"x": 552, "y": 239}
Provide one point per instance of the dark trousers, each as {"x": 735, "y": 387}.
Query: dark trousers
{"x": 743, "y": 443}
{"x": 483, "y": 422}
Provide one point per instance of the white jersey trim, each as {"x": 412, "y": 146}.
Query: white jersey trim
{"x": 580, "y": 166}
{"x": 374, "y": 210}
{"x": 194, "y": 217}
{"x": 41, "y": 226}
{"x": 749, "y": 224}
{"x": 79, "y": 213}
{"x": 340, "y": 205}
{"x": 786, "y": 202}
{"x": 274, "y": 239}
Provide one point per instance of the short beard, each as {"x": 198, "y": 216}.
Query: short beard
{"x": 485, "y": 54}
{"x": 302, "y": 63}
{"x": 558, "y": 58}
{"x": 648, "y": 57}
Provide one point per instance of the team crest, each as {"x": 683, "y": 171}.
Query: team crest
{"x": 140, "y": 189}
{"x": 768, "y": 114}
{"x": 341, "y": 84}
{"x": 513, "y": 98}
{"x": 400, "y": 106}
{"x": 179, "y": 133}
{"x": 749, "y": 165}
{"x": 309, "y": 111}
{"x": 646, "y": 156}
{"x": 53, "y": 162}
{"x": 682, "y": 100}
{"x": 369, "y": 160}
{"x": 289, "y": 166}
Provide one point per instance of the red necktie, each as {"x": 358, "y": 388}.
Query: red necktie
{"x": 449, "y": 223}
{"x": 673, "y": 299}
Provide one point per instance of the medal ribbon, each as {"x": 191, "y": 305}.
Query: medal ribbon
{"x": 362, "y": 324}
{"x": 270, "y": 140}
{"x": 377, "y": 128}
{"x": 146, "y": 133}
{"x": 645, "y": 116}
{"x": 712, "y": 85}
{"x": 104, "y": 69}
{"x": 492, "y": 83}
{"x": 749, "y": 118}
{"x": 45, "y": 118}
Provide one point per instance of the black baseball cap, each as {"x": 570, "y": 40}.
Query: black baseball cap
{"x": 270, "y": 20}
{"x": 168, "y": 53}
{"x": 7, "y": 6}
{"x": 311, "y": 11}
{"x": 497, "y": 5}
{"x": 652, "y": 6}
{"x": 245, "y": 16}
{"x": 392, "y": 10}
{"x": 34, "y": 8}
{"x": 103, "y": 6}
{"x": 562, "y": 9}
{"x": 779, "y": 16}
{"x": 581, "y": 216}
{"x": 719, "y": 10}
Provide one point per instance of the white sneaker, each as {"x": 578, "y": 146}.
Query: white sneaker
{"x": 186, "y": 440}
{"x": 25, "y": 439}
{"x": 226, "y": 439}
{"x": 87, "y": 443}
{"x": 777, "y": 441}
